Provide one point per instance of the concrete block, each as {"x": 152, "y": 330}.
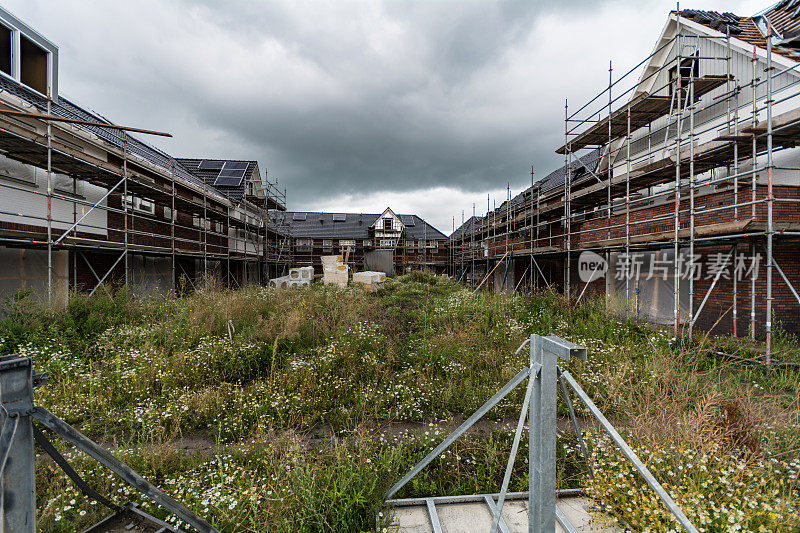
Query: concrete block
{"x": 306, "y": 272}
{"x": 279, "y": 283}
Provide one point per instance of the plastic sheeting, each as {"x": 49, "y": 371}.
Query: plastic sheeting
{"x": 149, "y": 275}
{"x": 380, "y": 261}
{"x": 650, "y": 286}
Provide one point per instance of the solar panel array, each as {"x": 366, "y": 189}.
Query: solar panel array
{"x": 232, "y": 174}
{"x": 339, "y": 217}
{"x": 408, "y": 220}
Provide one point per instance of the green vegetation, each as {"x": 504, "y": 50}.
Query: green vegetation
{"x": 296, "y": 410}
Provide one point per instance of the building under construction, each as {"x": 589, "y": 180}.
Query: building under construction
{"x": 84, "y": 202}
{"x": 385, "y": 242}
{"x": 681, "y": 175}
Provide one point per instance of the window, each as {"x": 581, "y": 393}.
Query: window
{"x": 303, "y": 243}
{"x": 410, "y": 244}
{"x": 146, "y": 206}
{"x": 387, "y": 224}
{"x": 195, "y": 221}
{"x": 421, "y": 244}
{"x": 387, "y": 242}
{"x": 690, "y": 68}
{"x": 433, "y": 244}
{"x": 344, "y": 243}
{"x": 5, "y": 49}
{"x": 327, "y": 243}
{"x": 366, "y": 242}
{"x": 168, "y": 213}
{"x": 33, "y": 65}
{"x": 141, "y": 204}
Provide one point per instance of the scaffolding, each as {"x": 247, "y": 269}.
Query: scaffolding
{"x": 682, "y": 160}
{"x": 138, "y": 208}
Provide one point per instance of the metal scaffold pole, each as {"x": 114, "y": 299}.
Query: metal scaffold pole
{"x": 609, "y": 175}
{"x": 472, "y": 244}
{"x": 691, "y": 205}
{"x": 49, "y": 204}
{"x": 567, "y": 187}
{"x": 770, "y": 201}
{"x": 205, "y": 228}
{"x": 531, "y": 281}
{"x": 754, "y": 182}
{"x": 172, "y": 217}
{"x": 125, "y": 201}
{"x": 628, "y": 258}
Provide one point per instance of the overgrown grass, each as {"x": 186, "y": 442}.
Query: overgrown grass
{"x": 296, "y": 410}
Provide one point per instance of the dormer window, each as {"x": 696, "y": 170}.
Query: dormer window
{"x": 690, "y": 68}
{"x": 27, "y": 57}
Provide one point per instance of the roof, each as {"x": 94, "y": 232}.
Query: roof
{"x": 467, "y": 227}
{"x": 209, "y": 176}
{"x": 578, "y": 166}
{"x": 321, "y": 225}
{"x": 552, "y": 181}
{"x": 67, "y": 109}
{"x": 784, "y": 17}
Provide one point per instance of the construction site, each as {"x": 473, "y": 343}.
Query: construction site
{"x": 211, "y": 359}
{"x": 683, "y": 160}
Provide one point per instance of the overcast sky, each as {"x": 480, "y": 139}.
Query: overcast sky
{"x": 424, "y": 106}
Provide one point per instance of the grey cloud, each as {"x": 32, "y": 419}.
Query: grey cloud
{"x": 352, "y": 97}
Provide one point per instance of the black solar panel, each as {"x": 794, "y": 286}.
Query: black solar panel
{"x": 339, "y": 217}
{"x": 235, "y": 165}
{"x": 229, "y": 178}
{"x": 408, "y": 220}
{"x": 210, "y": 164}
{"x": 299, "y": 217}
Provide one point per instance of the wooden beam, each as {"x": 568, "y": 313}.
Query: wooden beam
{"x": 54, "y": 118}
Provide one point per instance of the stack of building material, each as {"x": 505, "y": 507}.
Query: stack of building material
{"x": 370, "y": 280}
{"x": 334, "y": 270}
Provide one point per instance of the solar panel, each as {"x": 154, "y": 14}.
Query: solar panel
{"x": 299, "y": 217}
{"x": 229, "y": 177}
{"x": 339, "y": 217}
{"x": 235, "y": 165}
{"x": 408, "y": 220}
{"x": 210, "y": 164}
